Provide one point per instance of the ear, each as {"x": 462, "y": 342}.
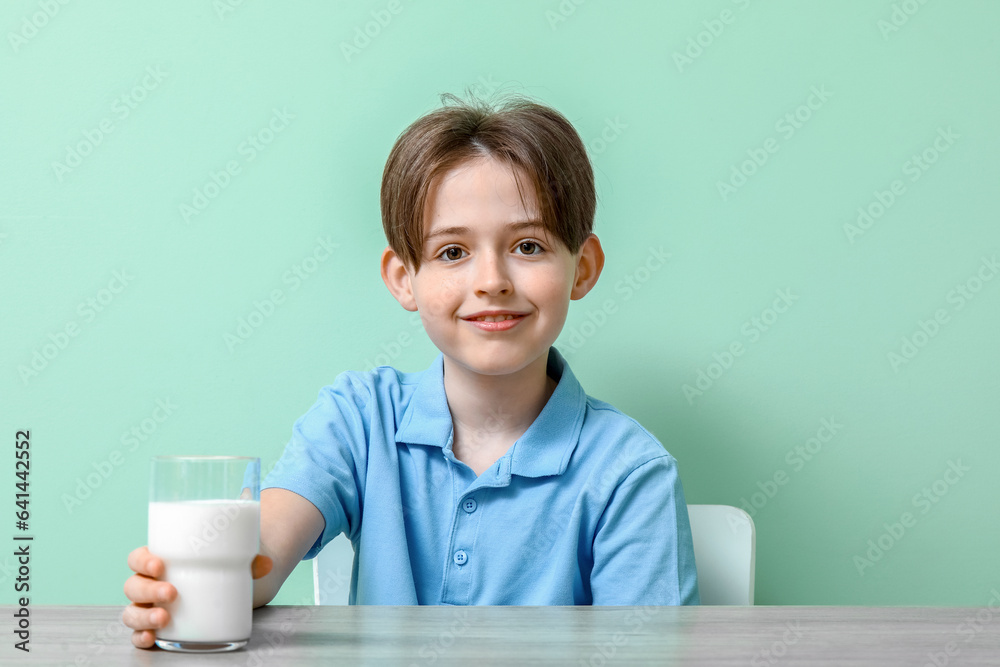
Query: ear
{"x": 397, "y": 279}
{"x": 589, "y": 264}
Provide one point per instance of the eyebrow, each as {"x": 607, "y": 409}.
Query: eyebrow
{"x": 511, "y": 227}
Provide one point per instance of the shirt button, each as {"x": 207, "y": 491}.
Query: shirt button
{"x": 460, "y": 557}
{"x": 469, "y": 505}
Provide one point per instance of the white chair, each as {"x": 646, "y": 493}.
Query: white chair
{"x": 724, "y": 553}
{"x": 332, "y": 572}
{"x": 725, "y": 545}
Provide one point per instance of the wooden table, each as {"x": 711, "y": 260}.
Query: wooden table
{"x": 578, "y": 636}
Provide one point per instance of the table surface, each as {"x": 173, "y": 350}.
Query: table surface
{"x": 578, "y": 636}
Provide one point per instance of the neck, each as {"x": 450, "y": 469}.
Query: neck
{"x": 496, "y": 409}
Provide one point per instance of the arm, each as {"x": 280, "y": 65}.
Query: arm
{"x": 289, "y": 526}
{"x": 643, "y": 552}
{"x": 312, "y": 494}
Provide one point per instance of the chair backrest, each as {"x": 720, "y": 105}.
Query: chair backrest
{"x": 724, "y": 552}
{"x": 332, "y": 569}
{"x": 725, "y": 545}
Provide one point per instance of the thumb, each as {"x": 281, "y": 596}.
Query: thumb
{"x": 261, "y": 565}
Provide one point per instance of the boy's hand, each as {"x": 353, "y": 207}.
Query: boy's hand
{"x": 145, "y": 589}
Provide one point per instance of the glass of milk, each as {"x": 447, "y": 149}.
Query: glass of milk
{"x": 204, "y": 523}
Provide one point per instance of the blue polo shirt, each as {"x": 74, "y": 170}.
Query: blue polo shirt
{"x": 586, "y": 507}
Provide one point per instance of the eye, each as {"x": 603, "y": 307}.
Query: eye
{"x": 535, "y": 244}
{"x": 450, "y": 258}
{"x": 444, "y": 253}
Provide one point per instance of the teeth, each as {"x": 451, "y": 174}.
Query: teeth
{"x": 491, "y": 318}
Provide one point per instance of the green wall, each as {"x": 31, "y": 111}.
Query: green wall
{"x": 838, "y": 369}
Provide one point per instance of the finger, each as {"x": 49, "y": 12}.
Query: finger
{"x": 145, "y": 618}
{"x": 143, "y": 562}
{"x": 143, "y": 638}
{"x": 142, "y": 590}
{"x": 261, "y": 565}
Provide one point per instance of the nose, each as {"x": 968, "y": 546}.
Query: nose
{"x": 491, "y": 275}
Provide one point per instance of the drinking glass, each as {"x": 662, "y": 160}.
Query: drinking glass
{"x": 204, "y": 523}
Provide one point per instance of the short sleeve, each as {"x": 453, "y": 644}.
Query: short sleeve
{"x": 325, "y": 460}
{"x": 643, "y": 552}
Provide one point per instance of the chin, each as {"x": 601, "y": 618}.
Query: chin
{"x": 500, "y": 362}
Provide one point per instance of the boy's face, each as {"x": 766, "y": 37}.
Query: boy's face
{"x": 475, "y": 260}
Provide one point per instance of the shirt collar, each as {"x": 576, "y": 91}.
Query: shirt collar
{"x": 544, "y": 449}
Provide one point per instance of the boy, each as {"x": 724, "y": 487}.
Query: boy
{"x": 491, "y": 477}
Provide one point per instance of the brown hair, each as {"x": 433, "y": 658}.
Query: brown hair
{"x": 518, "y": 132}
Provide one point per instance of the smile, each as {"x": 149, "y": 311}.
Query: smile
{"x": 496, "y": 322}
{"x": 495, "y": 318}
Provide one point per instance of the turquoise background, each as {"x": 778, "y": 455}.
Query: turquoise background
{"x": 663, "y": 133}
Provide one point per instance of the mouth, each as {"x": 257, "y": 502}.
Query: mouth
{"x": 501, "y": 322}
{"x": 494, "y": 316}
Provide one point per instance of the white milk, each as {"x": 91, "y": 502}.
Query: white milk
{"x": 207, "y": 547}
